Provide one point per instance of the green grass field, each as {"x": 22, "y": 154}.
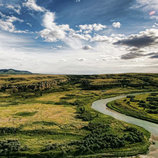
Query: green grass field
{"x": 51, "y": 116}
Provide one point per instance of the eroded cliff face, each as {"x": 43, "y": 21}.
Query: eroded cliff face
{"x": 35, "y": 83}
{"x": 16, "y": 83}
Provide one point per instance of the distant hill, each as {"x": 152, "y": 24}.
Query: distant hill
{"x": 12, "y": 71}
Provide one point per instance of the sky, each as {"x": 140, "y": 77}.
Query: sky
{"x": 79, "y": 36}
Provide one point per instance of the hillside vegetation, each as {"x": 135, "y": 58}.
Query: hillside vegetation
{"x": 51, "y": 116}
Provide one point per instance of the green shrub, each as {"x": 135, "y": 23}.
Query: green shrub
{"x": 9, "y": 146}
{"x": 8, "y": 130}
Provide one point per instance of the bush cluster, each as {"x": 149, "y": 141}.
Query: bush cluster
{"x": 9, "y": 146}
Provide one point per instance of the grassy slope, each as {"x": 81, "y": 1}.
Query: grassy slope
{"x": 52, "y": 118}
{"x": 133, "y": 109}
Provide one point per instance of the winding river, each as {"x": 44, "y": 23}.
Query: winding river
{"x": 101, "y": 107}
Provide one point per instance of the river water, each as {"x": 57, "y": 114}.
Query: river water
{"x": 101, "y": 107}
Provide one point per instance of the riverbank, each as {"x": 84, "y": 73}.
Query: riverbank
{"x": 101, "y": 106}
{"x": 133, "y": 109}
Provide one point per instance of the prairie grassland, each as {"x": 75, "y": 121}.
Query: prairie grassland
{"x": 59, "y": 118}
{"x": 43, "y": 112}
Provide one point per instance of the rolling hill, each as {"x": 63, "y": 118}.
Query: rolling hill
{"x": 12, "y": 71}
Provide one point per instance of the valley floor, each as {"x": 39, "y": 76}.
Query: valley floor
{"x": 60, "y": 122}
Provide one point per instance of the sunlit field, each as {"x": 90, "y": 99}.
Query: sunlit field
{"x": 52, "y": 115}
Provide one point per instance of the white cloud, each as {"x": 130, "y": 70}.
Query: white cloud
{"x": 92, "y": 27}
{"x": 52, "y": 35}
{"x": 99, "y": 38}
{"x": 52, "y": 31}
{"x": 81, "y": 36}
{"x": 31, "y": 4}
{"x": 6, "y": 23}
{"x": 98, "y": 27}
{"x": 73, "y": 39}
{"x": 15, "y": 8}
{"x": 48, "y": 20}
{"x": 116, "y": 24}
{"x": 7, "y": 26}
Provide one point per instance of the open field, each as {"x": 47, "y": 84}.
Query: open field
{"x": 51, "y": 116}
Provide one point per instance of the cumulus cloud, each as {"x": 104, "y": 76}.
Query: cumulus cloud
{"x": 7, "y": 26}
{"x": 81, "y": 36}
{"x": 116, "y": 24}
{"x": 31, "y": 4}
{"x": 137, "y": 41}
{"x": 6, "y": 23}
{"x": 92, "y": 27}
{"x": 48, "y": 20}
{"x": 52, "y": 31}
{"x": 140, "y": 45}
{"x": 145, "y": 38}
{"x": 101, "y": 38}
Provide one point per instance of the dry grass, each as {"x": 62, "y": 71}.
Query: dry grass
{"x": 64, "y": 116}
{"x": 60, "y": 119}
{"x": 27, "y": 79}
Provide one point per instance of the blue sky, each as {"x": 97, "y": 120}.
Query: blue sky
{"x": 79, "y": 36}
